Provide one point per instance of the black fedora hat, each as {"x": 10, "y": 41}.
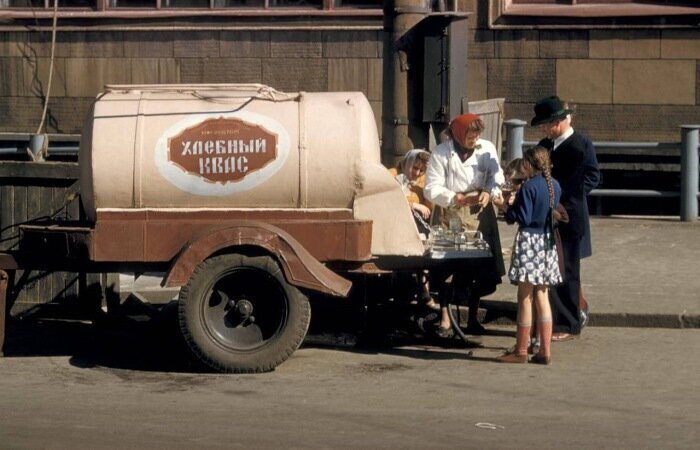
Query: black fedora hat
{"x": 549, "y": 109}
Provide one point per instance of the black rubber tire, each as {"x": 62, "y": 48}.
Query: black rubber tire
{"x": 225, "y": 339}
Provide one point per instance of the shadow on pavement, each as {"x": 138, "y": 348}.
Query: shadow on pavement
{"x": 153, "y": 342}
{"x": 145, "y": 344}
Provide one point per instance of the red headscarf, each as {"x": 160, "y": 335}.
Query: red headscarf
{"x": 460, "y": 126}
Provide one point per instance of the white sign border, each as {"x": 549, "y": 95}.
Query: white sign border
{"x": 195, "y": 184}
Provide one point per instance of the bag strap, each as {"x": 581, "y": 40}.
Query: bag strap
{"x": 549, "y": 229}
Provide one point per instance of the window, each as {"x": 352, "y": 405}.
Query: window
{"x": 587, "y": 13}
{"x": 36, "y": 4}
{"x": 143, "y": 8}
{"x": 357, "y": 4}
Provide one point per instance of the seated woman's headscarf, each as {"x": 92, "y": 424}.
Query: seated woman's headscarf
{"x": 404, "y": 167}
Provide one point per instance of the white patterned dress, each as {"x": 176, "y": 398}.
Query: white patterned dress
{"x": 534, "y": 258}
{"x": 532, "y": 262}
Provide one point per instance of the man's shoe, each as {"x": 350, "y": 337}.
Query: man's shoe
{"x": 583, "y": 315}
{"x": 561, "y": 337}
{"x": 540, "y": 359}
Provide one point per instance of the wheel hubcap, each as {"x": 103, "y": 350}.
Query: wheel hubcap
{"x": 246, "y": 308}
{"x": 243, "y": 310}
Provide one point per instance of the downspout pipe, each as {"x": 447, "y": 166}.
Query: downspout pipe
{"x": 515, "y": 132}
{"x": 689, "y": 172}
{"x": 399, "y": 132}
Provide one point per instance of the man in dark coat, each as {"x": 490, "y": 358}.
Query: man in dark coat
{"x": 591, "y": 181}
{"x": 575, "y": 167}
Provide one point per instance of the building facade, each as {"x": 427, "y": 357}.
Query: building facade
{"x": 631, "y": 69}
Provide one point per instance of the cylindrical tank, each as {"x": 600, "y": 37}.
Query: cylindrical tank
{"x": 241, "y": 146}
{"x": 230, "y": 146}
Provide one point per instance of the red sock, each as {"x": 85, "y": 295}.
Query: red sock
{"x": 522, "y": 339}
{"x": 545, "y": 328}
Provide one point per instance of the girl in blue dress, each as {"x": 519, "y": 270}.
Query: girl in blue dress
{"x": 534, "y": 262}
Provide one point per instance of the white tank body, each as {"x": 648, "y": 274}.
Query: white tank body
{"x": 238, "y": 147}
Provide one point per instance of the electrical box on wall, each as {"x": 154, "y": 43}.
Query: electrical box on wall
{"x": 444, "y": 68}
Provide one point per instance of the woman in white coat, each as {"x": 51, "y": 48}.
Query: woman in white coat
{"x": 463, "y": 176}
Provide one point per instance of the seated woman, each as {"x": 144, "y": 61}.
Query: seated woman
{"x": 410, "y": 173}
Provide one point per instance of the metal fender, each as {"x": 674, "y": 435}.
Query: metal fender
{"x": 299, "y": 267}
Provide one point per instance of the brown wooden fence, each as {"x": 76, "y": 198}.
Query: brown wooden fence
{"x": 34, "y": 193}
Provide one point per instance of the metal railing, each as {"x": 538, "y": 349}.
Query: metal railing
{"x": 688, "y": 146}
{"x": 16, "y": 144}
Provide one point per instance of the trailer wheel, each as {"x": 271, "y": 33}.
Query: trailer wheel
{"x": 238, "y": 314}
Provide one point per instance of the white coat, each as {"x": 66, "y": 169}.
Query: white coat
{"x": 447, "y": 175}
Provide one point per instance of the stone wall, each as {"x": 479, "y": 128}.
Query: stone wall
{"x": 87, "y": 60}
{"x": 626, "y": 84}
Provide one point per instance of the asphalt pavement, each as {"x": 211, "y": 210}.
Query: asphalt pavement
{"x": 71, "y": 385}
{"x": 644, "y": 272}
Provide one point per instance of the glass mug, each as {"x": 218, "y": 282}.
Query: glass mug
{"x": 455, "y": 225}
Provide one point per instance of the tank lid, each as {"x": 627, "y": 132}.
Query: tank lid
{"x": 207, "y": 90}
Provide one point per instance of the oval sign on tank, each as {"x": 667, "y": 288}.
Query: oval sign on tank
{"x": 220, "y": 154}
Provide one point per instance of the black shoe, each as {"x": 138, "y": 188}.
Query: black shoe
{"x": 428, "y": 322}
{"x": 445, "y": 333}
{"x": 475, "y": 329}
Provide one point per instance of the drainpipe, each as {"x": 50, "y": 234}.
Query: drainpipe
{"x": 399, "y": 133}
{"x": 689, "y": 172}
{"x": 38, "y": 147}
{"x": 515, "y": 131}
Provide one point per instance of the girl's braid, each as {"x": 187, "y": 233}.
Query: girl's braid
{"x": 540, "y": 157}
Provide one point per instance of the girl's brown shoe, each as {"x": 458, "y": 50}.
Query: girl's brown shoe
{"x": 540, "y": 359}
{"x": 513, "y": 358}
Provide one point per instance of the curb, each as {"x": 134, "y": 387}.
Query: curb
{"x": 504, "y": 312}
{"x": 644, "y": 320}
